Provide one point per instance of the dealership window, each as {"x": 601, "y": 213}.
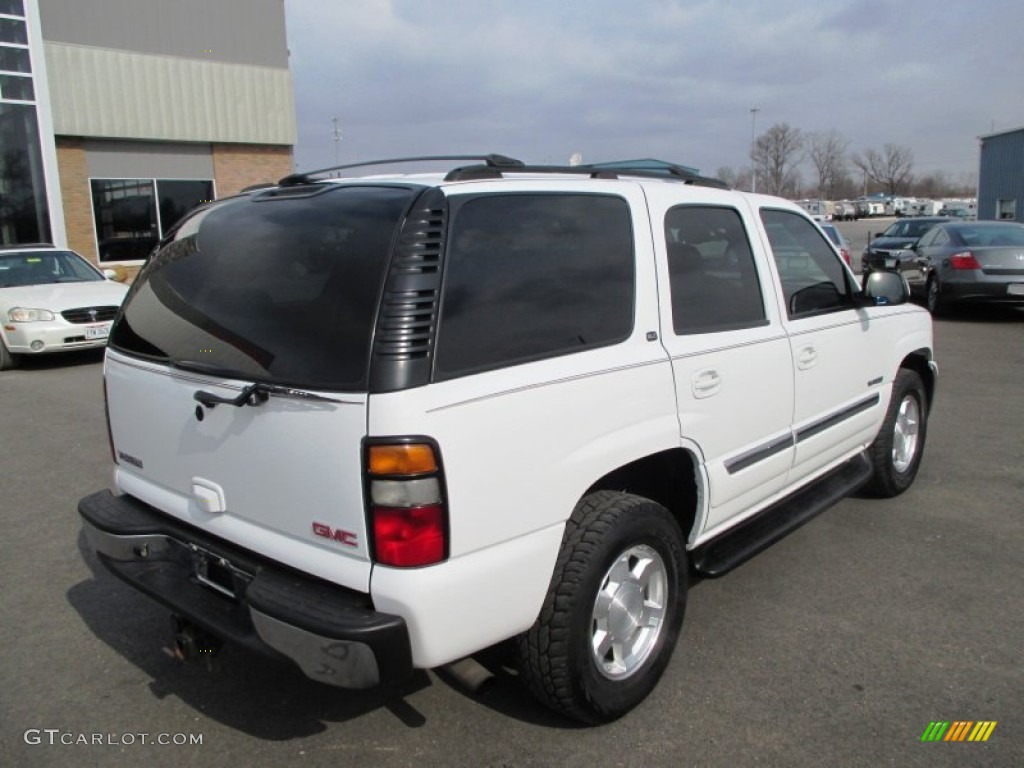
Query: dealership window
{"x": 13, "y": 31}
{"x": 15, "y": 59}
{"x": 16, "y": 88}
{"x": 132, "y": 215}
{"x": 12, "y": 7}
{"x": 24, "y": 216}
{"x": 1006, "y": 209}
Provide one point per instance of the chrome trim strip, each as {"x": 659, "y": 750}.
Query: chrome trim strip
{"x": 839, "y": 416}
{"x": 760, "y": 453}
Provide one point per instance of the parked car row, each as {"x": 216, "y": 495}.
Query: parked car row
{"x": 948, "y": 261}
{"x": 880, "y": 205}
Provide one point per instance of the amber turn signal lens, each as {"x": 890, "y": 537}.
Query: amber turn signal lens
{"x": 412, "y": 459}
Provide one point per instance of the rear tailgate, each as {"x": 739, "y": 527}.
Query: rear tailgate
{"x": 1001, "y": 261}
{"x": 282, "y": 478}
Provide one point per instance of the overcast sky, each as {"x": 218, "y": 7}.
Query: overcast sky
{"x": 670, "y": 79}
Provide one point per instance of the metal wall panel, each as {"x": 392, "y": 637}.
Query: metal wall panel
{"x": 1001, "y": 172}
{"x": 104, "y": 93}
{"x": 231, "y": 31}
{"x": 137, "y": 160}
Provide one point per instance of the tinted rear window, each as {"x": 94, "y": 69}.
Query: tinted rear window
{"x": 281, "y": 289}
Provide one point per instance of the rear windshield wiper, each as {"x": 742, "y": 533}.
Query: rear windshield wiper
{"x": 257, "y": 394}
{"x": 254, "y": 394}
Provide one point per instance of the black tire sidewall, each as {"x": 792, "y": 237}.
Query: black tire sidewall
{"x": 933, "y": 296}
{"x": 8, "y": 359}
{"x": 648, "y": 525}
{"x": 888, "y": 481}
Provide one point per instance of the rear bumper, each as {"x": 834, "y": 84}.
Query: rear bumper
{"x": 333, "y": 634}
{"x": 983, "y": 288}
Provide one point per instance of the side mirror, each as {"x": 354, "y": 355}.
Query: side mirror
{"x": 885, "y": 289}
{"x": 110, "y": 274}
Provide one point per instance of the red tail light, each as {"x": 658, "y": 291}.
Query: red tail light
{"x": 406, "y": 509}
{"x": 964, "y": 260}
{"x": 846, "y": 256}
{"x": 409, "y": 537}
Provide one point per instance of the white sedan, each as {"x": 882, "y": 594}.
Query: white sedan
{"x": 52, "y": 300}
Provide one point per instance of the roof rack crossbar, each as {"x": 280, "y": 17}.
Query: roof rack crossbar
{"x": 490, "y": 161}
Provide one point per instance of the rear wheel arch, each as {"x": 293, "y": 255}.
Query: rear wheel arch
{"x": 669, "y": 478}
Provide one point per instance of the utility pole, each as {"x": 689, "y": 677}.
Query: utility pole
{"x": 753, "y": 132}
{"x": 336, "y": 134}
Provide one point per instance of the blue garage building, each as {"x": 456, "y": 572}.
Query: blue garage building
{"x": 1001, "y": 176}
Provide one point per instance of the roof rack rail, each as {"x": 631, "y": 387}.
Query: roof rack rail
{"x": 670, "y": 172}
{"x": 490, "y": 161}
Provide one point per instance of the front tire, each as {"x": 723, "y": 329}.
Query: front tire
{"x": 612, "y": 614}
{"x": 7, "y": 358}
{"x": 896, "y": 452}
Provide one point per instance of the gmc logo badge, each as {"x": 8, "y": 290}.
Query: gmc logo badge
{"x": 348, "y": 538}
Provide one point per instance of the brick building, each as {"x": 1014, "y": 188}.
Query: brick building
{"x": 117, "y": 116}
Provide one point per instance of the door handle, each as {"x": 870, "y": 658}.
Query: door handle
{"x": 706, "y": 383}
{"x": 806, "y": 358}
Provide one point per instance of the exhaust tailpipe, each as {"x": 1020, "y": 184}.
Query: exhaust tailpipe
{"x": 191, "y": 643}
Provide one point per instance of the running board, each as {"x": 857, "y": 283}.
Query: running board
{"x": 720, "y": 555}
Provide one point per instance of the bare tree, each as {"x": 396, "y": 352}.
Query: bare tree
{"x": 776, "y": 155}
{"x": 735, "y": 179}
{"x": 891, "y": 168}
{"x": 827, "y": 150}
{"x": 726, "y": 174}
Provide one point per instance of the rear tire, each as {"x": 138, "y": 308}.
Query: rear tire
{"x": 896, "y": 452}
{"x": 937, "y": 304}
{"x": 8, "y": 359}
{"x": 612, "y": 614}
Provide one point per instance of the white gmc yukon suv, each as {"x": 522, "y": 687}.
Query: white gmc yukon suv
{"x": 379, "y": 424}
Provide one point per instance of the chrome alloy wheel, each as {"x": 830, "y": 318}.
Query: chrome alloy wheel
{"x": 629, "y": 612}
{"x": 905, "y": 433}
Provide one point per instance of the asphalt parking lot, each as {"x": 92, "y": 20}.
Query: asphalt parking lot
{"x": 836, "y": 647}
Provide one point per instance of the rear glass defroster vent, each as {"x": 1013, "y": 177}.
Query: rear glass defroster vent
{"x": 403, "y": 342}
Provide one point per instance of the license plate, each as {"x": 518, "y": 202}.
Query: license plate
{"x": 97, "y": 332}
{"x": 1017, "y": 289}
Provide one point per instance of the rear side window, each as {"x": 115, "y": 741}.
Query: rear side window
{"x": 534, "y": 276}
{"x": 813, "y": 277}
{"x": 712, "y": 274}
{"x": 269, "y": 288}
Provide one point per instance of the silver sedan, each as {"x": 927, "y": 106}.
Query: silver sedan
{"x": 973, "y": 261}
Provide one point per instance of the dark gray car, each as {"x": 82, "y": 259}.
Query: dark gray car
{"x": 976, "y": 261}
{"x": 889, "y": 247}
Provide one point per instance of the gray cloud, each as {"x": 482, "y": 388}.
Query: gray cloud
{"x": 675, "y": 80}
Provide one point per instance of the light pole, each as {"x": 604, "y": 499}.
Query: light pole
{"x": 753, "y": 163}
{"x": 336, "y": 134}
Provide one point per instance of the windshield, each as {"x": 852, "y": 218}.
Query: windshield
{"x": 280, "y": 286}
{"x": 27, "y": 267}
{"x": 910, "y": 228}
{"x": 991, "y": 234}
